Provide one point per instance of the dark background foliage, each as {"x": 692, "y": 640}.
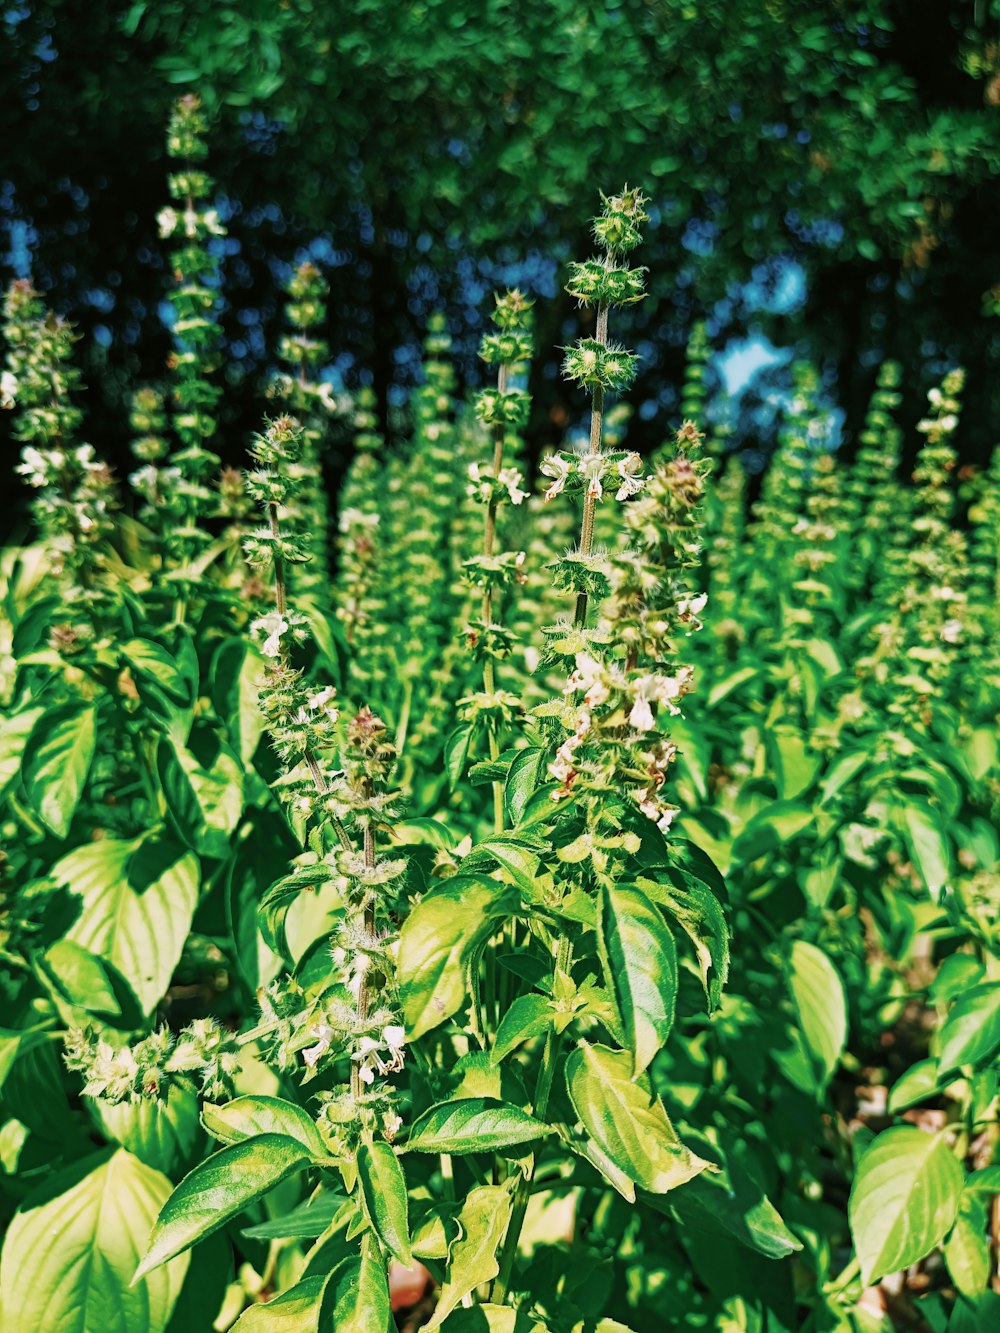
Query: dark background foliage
{"x": 824, "y": 176}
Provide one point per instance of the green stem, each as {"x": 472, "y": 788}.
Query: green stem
{"x": 489, "y": 536}
{"x": 596, "y": 434}
{"x": 522, "y": 1195}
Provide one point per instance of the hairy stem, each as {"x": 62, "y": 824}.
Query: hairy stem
{"x": 489, "y": 536}
{"x": 596, "y": 434}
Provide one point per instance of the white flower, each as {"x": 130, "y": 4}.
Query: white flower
{"x": 632, "y": 484}
{"x": 325, "y": 395}
{"x": 665, "y": 689}
{"x": 394, "y": 1039}
{"x": 273, "y": 625}
{"x": 212, "y": 223}
{"x": 951, "y": 631}
{"x": 511, "y": 478}
{"x": 558, "y": 468}
{"x": 34, "y": 466}
{"x": 325, "y": 1035}
{"x": 591, "y": 469}
{"x": 167, "y": 220}
{"x": 322, "y": 698}
{"x": 692, "y": 606}
{"x": 144, "y": 481}
{"x": 8, "y": 389}
{"x": 641, "y": 716}
{"x": 589, "y": 676}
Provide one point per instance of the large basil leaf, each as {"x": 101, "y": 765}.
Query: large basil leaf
{"x": 56, "y": 761}
{"x": 436, "y": 944}
{"x": 640, "y": 967}
{"x": 904, "y": 1201}
{"x": 136, "y": 901}
{"x": 219, "y": 1188}
{"x": 71, "y": 1252}
{"x": 626, "y": 1119}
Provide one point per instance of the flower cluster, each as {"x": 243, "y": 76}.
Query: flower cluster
{"x": 929, "y": 621}
{"x": 75, "y": 494}
{"x": 193, "y": 227}
{"x": 202, "y": 1054}
{"x": 312, "y": 400}
{"x": 355, "y": 1018}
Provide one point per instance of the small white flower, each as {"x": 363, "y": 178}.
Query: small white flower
{"x": 322, "y": 698}
{"x": 167, "y": 221}
{"x": 628, "y": 469}
{"x": 325, "y": 396}
{"x": 591, "y": 469}
{"x": 313, "y": 1054}
{"x": 34, "y": 466}
{"x": 559, "y": 469}
{"x": 641, "y": 716}
{"x": 212, "y": 222}
{"x": 951, "y": 631}
{"x": 511, "y": 479}
{"x": 8, "y": 389}
{"x": 273, "y": 625}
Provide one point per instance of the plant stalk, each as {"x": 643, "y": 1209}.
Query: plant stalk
{"x": 522, "y": 1195}
{"x": 596, "y": 434}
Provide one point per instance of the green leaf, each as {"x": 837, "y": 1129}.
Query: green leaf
{"x": 204, "y": 793}
{"x": 237, "y": 670}
{"x": 971, "y": 1032}
{"x": 81, "y": 978}
{"x": 456, "y": 754}
{"x": 437, "y": 941}
{"x": 360, "y": 1295}
{"x": 626, "y": 1119}
{"x": 56, "y": 761}
{"x": 516, "y": 854}
{"x": 927, "y": 844}
{"x": 697, "y": 911}
{"x": 723, "y": 688}
{"x": 488, "y": 1318}
{"x": 136, "y": 902}
{"x": 472, "y": 1258}
{"x": 160, "y": 679}
{"x": 522, "y": 781}
{"x": 640, "y": 967}
{"x": 255, "y": 1114}
{"x": 904, "y": 1201}
{"x": 383, "y": 1196}
{"x": 967, "y": 1249}
{"x": 474, "y": 1124}
{"x": 918, "y": 1083}
{"x": 72, "y": 1247}
{"x": 164, "y": 1133}
{"x": 308, "y": 1220}
{"x": 297, "y": 1310}
{"x": 777, "y": 825}
{"x": 818, "y": 995}
{"x": 14, "y": 733}
{"x": 219, "y": 1188}
{"x": 528, "y": 1016}
{"x": 731, "y": 1202}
